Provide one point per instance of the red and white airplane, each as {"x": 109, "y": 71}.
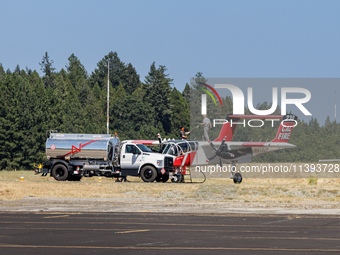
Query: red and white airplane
{"x": 223, "y": 149}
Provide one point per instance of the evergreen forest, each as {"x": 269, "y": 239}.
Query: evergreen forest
{"x": 73, "y": 101}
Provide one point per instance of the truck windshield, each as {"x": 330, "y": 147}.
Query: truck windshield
{"x": 144, "y": 148}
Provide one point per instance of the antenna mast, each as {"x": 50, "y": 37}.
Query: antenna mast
{"x": 108, "y": 92}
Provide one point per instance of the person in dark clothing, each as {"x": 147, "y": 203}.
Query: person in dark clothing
{"x": 182, "y": 134}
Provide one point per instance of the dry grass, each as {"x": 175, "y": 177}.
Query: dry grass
{"x": 279, "y": 190}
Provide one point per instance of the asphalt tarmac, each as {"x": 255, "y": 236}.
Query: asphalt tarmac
{"x": 164, "y": 233}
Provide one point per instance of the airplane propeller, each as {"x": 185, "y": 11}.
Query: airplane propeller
{"x": 221, "y": 152}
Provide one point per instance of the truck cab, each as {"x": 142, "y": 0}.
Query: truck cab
{"x": 138, "y": 160}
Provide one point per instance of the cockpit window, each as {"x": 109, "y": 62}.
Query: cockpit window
{"x": 193, "y": 146}
{"x": 166, "y": 149}
{"x": 173, "y": 150}
{"x": 144, "y": 148}
{"x": 184, "y": 146}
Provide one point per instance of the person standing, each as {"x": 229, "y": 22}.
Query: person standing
{"x": 206, "y": 125}
{"x": 182, "y": 134}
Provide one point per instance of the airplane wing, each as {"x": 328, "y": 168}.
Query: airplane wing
{"x": 225, "y": 151}
{"x": 149, "y": 142}
{"x": 241, "y": 152}
{"x": 146, "y": 142}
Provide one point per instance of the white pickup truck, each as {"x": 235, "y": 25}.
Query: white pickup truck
{"x": 136, "y": 159}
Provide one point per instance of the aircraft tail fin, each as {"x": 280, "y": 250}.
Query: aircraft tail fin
{"x": 227, "y": 132}
{"x": 285, "y": 130}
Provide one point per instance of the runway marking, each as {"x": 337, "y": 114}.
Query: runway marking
{"x": 248, "y": 216}
{"x": 133, "y": 231}
{"x": 184, "y": 230}
{"x": 123, "y": 231}
{"x": 169, "y": 248}
{"x": 59, "y": 216}
{"x": 149, "y": 210}
{"x": 169, "y": 224}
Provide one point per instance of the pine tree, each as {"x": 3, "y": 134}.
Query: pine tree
{"x": 94, "y": 112}
{"x": 5, "y": 123}
{"x": 75, "y": 70}
{"x": 17, "y": 69}
{"x": 40, "y": 120}
{"x": 180, "y": 113}
{"x": 28, "y": 71}
{"x": 157, "y": 86}
{"x": 11, "y": 121}
{"x": 48, "y": 70}
{"x": 2, "y": 73}
{"x": 186, "y": 93}
{"x": 25, "y": 133}
{"x": 118, "y": 72}
{"x": 77, "y": 76}
{"x": 73, "y": 115}
{"x": 132, "y": 79}
{"x": 195, "y": 105}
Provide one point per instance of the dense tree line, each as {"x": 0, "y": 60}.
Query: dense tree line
{"x": 74, "y": 101}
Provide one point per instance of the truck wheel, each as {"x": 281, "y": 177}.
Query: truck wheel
{"x": 59, "y": 172}
{"x": 148, "y": 173}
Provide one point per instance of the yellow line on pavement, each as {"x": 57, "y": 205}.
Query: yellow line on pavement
{"x": 133, "y": 231}
{"x": 58, "y": 216}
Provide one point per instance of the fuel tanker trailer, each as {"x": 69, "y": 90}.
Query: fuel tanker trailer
{"x": 73, "y": 156}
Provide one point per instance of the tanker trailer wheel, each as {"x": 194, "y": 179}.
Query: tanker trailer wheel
{"x": 59, "y": 172}
{"x": 148, "y": 173}
{"x": 165, "y": 177}
{"x": 162, "y": 178}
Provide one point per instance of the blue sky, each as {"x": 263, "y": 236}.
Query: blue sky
{"x": 238, "y": 39}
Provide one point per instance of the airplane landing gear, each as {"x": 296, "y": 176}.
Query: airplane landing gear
{"x": 237, "y": 178}
{"x": 177, "y": 178}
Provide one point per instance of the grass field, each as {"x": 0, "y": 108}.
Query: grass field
{"x": 219, "y": 189}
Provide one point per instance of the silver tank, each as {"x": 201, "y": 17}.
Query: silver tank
{"x": 94, "y": 146}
